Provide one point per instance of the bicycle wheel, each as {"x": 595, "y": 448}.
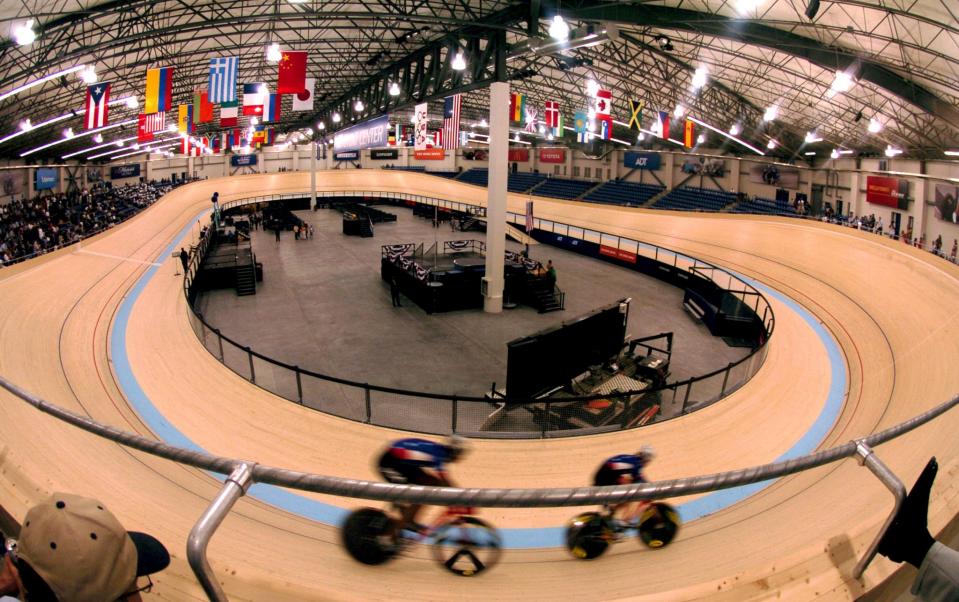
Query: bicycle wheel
{"x": 366, "y": 536}
{"x": 658, "y": 525}
{"x": 466, "y": 546}
{"x": 588, "y": 535}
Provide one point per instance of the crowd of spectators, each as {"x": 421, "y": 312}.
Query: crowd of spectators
{"x": 35, "y": 226}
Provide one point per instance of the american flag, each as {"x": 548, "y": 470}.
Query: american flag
{"x": 451, "y": 120}
{"x": 223, "y": 72}
{"x": 98, "y": 97}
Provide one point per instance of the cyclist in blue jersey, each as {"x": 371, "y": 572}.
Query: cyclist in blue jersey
{"x": 624, "y": 469}
{"x": 420, "y": 462}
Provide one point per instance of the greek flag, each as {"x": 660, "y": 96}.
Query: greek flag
{"x": 223, "y": 73}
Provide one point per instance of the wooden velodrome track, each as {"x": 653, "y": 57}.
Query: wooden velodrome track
{"x": 890, "y": 308}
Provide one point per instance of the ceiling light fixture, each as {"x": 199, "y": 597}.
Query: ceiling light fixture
{"x": 771, "y": 113}
{"x": 592, "y": 87}
{"x": 559, "y": 29}
{"x": 25, "y": 125}
{"x": 679, "y": 111}
{"x": 23, "y": 33}
{"x": 700, "y": 139}
{"x": 131, "y": 102}
{"x": 772, "y": 144}
{"x": 394, "y": 89}
{"x": 37, "y": 82}
{"x": 812, "y": 137}
{"x": 892, "y": 151}
{"x": 273, "y": 53}
{"x": 336, "y": 117}
{"x": 875, "y": 126}
{"x": 734, "y": 129}
{"x": 699, "y": 78}
{"x": 98, "y": 138}
{"x": 89, "y": 75}
{"x": 459, "y": 62}
{"x": 358, "y": 107}
{"x": 321, "y": 126}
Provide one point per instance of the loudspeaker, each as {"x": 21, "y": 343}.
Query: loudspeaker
{"x": 812, "y": 8}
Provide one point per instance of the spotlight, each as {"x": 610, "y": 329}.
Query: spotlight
{"x": 23, "y": 34}
{"x": 336, "y": 118}
{"x": 664, "y": 43}
{"x": 394, "y": 89}
{"x": 273, "y": 53}
{"x": 559, "y": 29}
{"x": 875, "y": 126}
{"x": 858, "y": 117}
{"x": 459, "y": 63}
{"x": 358, "y": 107}
{"x": 811, "y": 9}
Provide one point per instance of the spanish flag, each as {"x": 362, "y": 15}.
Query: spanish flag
{"x": 159, "y": 90}
{"x": 689, "y": 136}
{"x": 517, "y": 107}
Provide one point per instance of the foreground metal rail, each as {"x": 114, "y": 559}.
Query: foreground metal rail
{"x": 245, "y": 472}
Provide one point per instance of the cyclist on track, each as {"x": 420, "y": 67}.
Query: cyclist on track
{"x": 414, "y": 461}
{"x": 624, "y": 469}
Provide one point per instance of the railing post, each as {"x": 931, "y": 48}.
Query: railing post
{"x": 545, "y": 419}
{"x": 369, "y": 408}
{"x": 725, "y": 379}
{"x": 234, "y": 488}
{"x": 890, "y": 480}
{"x": 249, "y": 354}
{"x": 455, "y": 407}
{"x": 299, "y": 385}
{"x": 689, "y": 386}
{"x": 219, "y": 341}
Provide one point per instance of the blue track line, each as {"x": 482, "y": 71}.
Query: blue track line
{"x": 547, "y": 537}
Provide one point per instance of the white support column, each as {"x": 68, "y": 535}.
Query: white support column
{"x": 853, "y": 202}
{"x": 313, "y": 175}
{"x": 496, "y": 199}
{"x": 918, "y": 209}
{"x": 296, "y": 158}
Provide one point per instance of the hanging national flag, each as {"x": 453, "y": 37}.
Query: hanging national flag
{"x": 517, "y": 107}
{"x": 254, "y": 97}
{"x": 202, "y": 108}
{"x": 262, "y": 136}
{"x": 292, "y": 79}
{"x": 271, "y": 109}
{"x": 529, "y": 217}
{"x": 185, "y": 119}
{"x": 159, "y": 90}
{"x": 604, "y": 101}
{"x": 606, "y": 128}
{"x": 304, "y": 100}
{"x": 551, "y": 114}
{"x": 144, "y": 134}
{"x": 689, "y": 135}
{"x": 662, "y": 124}
{"x": 228, "y": 114}
{"x": 234, "y": 139}
{"x": 155, "y": 122}
{"x": 579, "y": 124}
{"x": 451, "y": 121}
{"x": 436, "y": 139}
{"x": 421, "y": 121}
{"x": 185, "y": 144}
{"x": 532, "y": 116}
{"x": 223, "y": 74}
{"x": 558, "y": 130}
{"x": 98, "y": 97}
{"x": 636, "y": 117}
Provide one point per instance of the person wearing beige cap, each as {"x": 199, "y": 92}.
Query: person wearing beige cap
{"x": 72, "y": 549}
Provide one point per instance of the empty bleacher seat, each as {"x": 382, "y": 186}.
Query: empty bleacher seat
{"x": 563, "y": 189}
{"x": 695, "y": 199}
{"x": 623, "y": 193}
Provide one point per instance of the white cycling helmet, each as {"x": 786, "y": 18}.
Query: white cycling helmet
{"x": 458, "y": 446}
{"x": 646, "y": 454}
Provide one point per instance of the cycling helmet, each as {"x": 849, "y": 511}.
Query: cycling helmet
{"x": 646, "y": 454}
{"x": 458, "y": 446}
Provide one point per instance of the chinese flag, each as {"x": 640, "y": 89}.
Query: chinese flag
{"x": 292, "y": 73}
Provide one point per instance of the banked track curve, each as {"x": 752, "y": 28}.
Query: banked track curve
{"x": 887, "y": 306}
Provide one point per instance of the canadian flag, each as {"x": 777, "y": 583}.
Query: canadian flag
{"x": 604, "y": 102}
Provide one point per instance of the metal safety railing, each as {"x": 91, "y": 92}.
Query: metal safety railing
{"x": 443, "y": 413}
{"x": 242, "y": 473}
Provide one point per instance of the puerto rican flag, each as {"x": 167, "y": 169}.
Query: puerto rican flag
{"x": 98, "y": 97}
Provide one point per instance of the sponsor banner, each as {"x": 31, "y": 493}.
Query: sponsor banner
{"x": 124, "y": 171}
{"x": 712, "y": 167}
{"x": 242, "y": 160}
{"x": 519, "y": 155}
{"x": 46, "y": 178}
{"x": 369, "y": 134}
{"x": 552, "y": 155}
{"x": 430, "y": 154}
{"x": 774, "y": 175}
{"x": 882, "y": 190}
{"x": 353, "y": 155}
{"x": 947, "y": 202}
{"x": 476, "y": 154}
{"x": 387, "y": 153}
{"x": 617, "y": 253}
{"x": 635, "y": 160}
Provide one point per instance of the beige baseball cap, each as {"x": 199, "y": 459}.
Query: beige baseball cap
{"x": 82, "y": 551}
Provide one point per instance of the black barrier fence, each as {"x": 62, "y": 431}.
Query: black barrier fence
{"x": 438, "y": 413}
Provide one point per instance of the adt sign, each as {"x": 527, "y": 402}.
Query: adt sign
{"x": 637, "y": 160}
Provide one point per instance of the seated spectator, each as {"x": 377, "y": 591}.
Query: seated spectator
{"x": 72, "y": 549}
